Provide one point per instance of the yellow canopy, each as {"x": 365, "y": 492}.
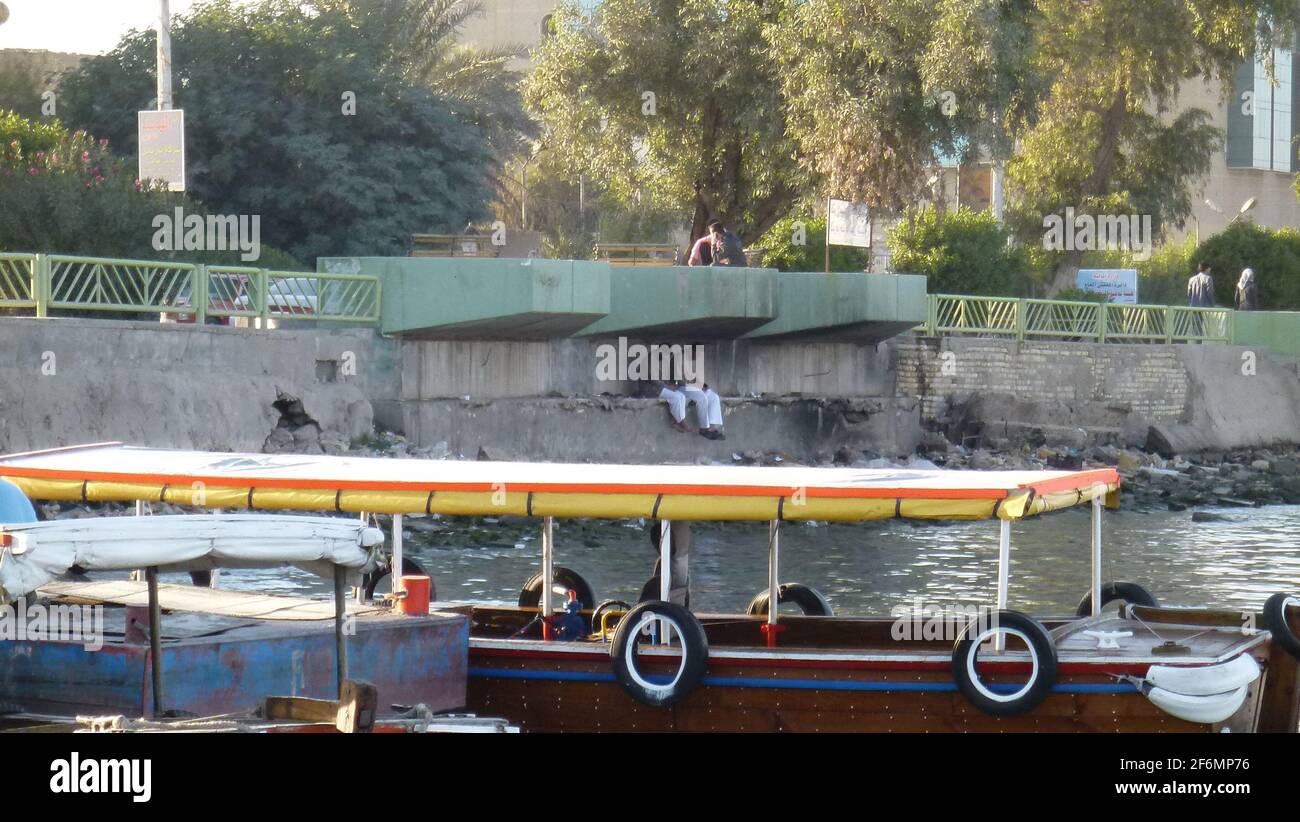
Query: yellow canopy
{"x": 115, "y": 472}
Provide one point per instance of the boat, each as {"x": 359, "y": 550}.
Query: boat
{"x": 657, "y": 666}
{"x": 78, "y": 643}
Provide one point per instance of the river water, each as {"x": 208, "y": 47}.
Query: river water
{"x": 867, "y": 569}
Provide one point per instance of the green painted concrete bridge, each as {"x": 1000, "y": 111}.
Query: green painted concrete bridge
{"x": 471, "y": 298}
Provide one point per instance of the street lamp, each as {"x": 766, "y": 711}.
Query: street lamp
{"x": 1241, "y": 212}
{"x": 4, "y": 13}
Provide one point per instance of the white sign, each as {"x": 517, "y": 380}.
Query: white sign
{"x": 162, "y": 147}
{"x": 1119, "y": 284}
{"x": 848, "y": 224}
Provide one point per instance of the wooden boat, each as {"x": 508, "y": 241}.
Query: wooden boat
{"x": 656, "y": 666}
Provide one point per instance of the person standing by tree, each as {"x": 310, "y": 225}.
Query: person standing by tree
{"x": 1200, "y": 294}
{"x": 1200, "y": 288}
{"x": 1247, "y": 296}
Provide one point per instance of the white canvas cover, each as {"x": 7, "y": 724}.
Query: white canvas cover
{"x": 40, "y": 552}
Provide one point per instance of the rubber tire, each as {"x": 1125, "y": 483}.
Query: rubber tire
{"x": 1129, "y": 592}
{"x": 809, "y": 600}
{"x": 694, "y": 644}
{"x": 606, "y": 605}
{"x": 409, "y": 568}
{"x": 530, "y": 596}
{"x": 650, "y": 591}
{"x": 1039, "y": 639}
{"x": 1275, "y": 622}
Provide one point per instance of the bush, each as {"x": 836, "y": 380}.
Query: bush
{"x": 64, "y": 192}
{"x": 785, "y": 255}
{"x": 1274, "y": 256}
{"x": 1162, "y": 280}
{"x": 962, "y": 252}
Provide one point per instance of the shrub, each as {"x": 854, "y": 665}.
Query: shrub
{"x": 785, "y": 254}
{"x": 1274, "y": 256}
{"x": 962, "y": 252}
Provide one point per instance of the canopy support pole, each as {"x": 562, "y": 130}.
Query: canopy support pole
{"x": 396, "y": 571}
{"x": 1097, "y": 499}
{"x": 665, "y": 574}
{"x": 548, "y": 567}
{"x": 340, "y": 639}
{"x": 1004, "y": 573}
{"x": 155, "y": 639}
{"x": 770, "y": 627}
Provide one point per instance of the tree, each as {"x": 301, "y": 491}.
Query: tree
{"x": 302, "y": 113}
{"x": 649, "y": 97}
{"x": 962, "y": 252}
{"x": 876, "y": 89}
{"x": 1102, "y": 141}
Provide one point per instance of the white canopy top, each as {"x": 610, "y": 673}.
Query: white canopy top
{"x": 40, "y": 552}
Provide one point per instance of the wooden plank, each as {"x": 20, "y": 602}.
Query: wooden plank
{"x": 1280, "y": 703}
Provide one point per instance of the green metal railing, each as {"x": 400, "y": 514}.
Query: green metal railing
{"x": 18, "y": 281}
{"x": 1021, "y": 319}
{"x": 42, "y": 282}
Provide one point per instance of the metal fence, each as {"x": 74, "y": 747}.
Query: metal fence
{"x": 184, "y": 291}
{"x": 1021, "y": 319}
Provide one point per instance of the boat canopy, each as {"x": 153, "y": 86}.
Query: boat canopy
{"x": 34, "y": 554}
{"x": 114, "y": 472}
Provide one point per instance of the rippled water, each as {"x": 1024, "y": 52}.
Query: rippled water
{"x": 867, "y": 569}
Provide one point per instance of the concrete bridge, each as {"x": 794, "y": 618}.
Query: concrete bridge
{"x": 535, "y": 299}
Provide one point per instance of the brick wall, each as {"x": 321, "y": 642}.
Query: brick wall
{"x": 1147, "y": 381}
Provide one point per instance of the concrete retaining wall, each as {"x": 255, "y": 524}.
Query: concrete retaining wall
{"x": 65, "y": 381}
{"x": 485, "y": 370}
{"x": 1073, "y": 392}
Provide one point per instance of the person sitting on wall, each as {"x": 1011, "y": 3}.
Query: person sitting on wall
{"x": 702, "y": 251}
{"x": 708, "y": 410}
{"x": 727, "y": 248}
{"x": 676, "y": 405}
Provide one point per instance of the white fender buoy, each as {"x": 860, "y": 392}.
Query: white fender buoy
{"x": 1205, "y": 680}
{"x": 1204, "y": 709}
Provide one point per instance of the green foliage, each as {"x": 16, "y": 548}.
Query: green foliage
{"x": 63, "y": 192}
{"x": 874, "y": 88}
{"x": 962, "y": 252}
{"x": 263, "y": 91}
{"x": 1273, "y": 255}
{"x": 1162, "y": 280}
{"x": 20, "y": 87}
{"x": 1078, "y": 295}
{"x": 1103, "y": 139}
{"x": 714, "y": 114}
{"x": 785, "y": 253}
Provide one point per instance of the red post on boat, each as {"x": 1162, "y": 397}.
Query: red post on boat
{"x": 770, "y": 631}
{"x": 415, "y": 596}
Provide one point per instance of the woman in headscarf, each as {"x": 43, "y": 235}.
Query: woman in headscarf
{"x": 1247, "y": 296}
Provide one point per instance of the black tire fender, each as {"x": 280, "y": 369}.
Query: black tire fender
{"x": 530, "y": 595}
{"x": 809, "y": 600}
{"x": 1276, "y": 622}
{"x": 690, "y": 641}
{"x": 1042, "y": 652}
{"x": 1129, "y": 592}
{"x": 409, "y": 568}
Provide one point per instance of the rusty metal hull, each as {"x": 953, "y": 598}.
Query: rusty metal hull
{"x": 409, "y": 659}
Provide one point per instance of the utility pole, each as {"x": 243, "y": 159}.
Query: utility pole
{"x": 164, "y": 56}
